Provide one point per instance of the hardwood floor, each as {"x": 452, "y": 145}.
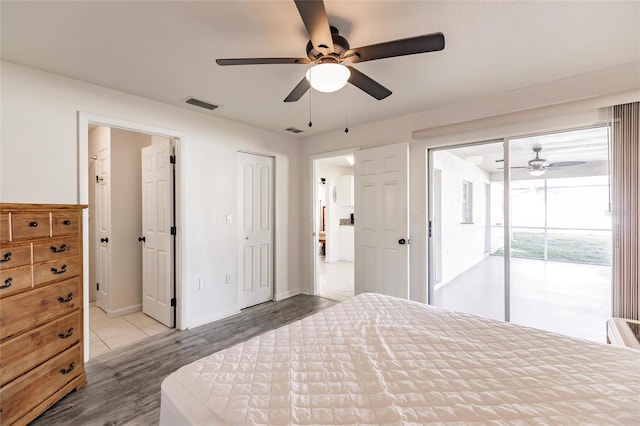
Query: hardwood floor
{"x": 124, "y": 384}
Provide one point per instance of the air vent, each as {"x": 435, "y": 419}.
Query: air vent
{"x": 293, "y": 130}
{"x": 201, "y": 104}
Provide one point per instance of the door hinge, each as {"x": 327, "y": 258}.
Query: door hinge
{"x": 429, "y": 229}
{"x": 98, "y": 286}
{"x": 172, "y": 159}
{"x": 173, "y": 230}
{"x": 173, "y": 301}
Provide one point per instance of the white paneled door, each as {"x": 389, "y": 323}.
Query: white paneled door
{"x": 382, "y": 220}
{"x": 255, "y": 226}
{"x": 157, "y": 223}
{"x": 103, "y": 224}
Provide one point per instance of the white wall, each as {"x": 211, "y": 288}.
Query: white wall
{"x": 578, "y": 100}
{"x": 463, "y": 244}
{"x": 39, "y": 164}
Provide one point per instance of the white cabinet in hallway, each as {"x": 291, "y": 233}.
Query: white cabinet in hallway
{"x": 344, "y": 191}
{"x": 346, "y": 240}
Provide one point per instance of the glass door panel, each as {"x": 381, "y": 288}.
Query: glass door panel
{"x": 561, "y": 232}
{"x": 466, "y": 245}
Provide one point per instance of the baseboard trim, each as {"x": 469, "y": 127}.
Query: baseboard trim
{"x": 115, "y": 313}
{"x": 211, "y": 318}
{"x": 287, "y": 294}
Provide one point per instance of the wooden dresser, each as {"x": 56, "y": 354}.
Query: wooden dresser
{"x": 41, "y": 318}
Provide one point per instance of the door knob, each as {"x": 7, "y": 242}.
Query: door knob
{"x": 402, "y": 241}
{"x": 104, "y": 240}
{"x": 142, "y": 239}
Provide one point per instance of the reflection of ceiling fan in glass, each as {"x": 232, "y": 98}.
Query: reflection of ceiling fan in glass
{"x": 538, "y": 166}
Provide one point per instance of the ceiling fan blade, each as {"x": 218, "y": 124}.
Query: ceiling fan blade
{"x": 368, "y": 85}
{"x": 315, "y": 20}
{"x": 261, "y": 61}
{"x": 297, "y": 92}
{"x": 566, "y": 163}
{"x": 408, "y": 46}
{"x": 513, "y": 167}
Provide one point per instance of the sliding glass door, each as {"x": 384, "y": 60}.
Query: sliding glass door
{"x": 561, "y": 232}
{"x": 466, "y": 229}
{"x": 542, "y": 256}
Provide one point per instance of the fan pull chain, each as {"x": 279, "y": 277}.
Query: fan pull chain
{"x": 310, "y": 90}
{"x": 346, "y": 112}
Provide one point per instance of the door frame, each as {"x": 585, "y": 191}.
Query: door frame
{"x": 84, "y": 119}
{"x": 313, "y": 179}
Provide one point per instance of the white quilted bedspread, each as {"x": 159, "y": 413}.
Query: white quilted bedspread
{"x": 379, "y": 360}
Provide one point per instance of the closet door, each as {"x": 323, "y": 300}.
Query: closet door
{"x": 255, "y": 211}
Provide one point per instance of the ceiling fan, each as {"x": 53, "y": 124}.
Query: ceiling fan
{"x": 538, "y": 166}
{"x": 328, "y": 50}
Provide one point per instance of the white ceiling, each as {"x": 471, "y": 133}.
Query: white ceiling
{"x": 166, "y": 51}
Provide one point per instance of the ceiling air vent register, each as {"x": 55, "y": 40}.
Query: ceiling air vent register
{"x": 201, "y": 104}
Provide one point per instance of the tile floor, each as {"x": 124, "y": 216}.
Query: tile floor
{"x": 108, "y": 333}
{"x": 335, "y": 279}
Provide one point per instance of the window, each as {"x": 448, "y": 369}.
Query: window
{"x": 467, "y": 202}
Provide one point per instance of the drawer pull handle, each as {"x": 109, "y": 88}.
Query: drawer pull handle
{"x": 33, "y": 224}
{"x": 61, "y": 271}
{"x": 68, "y": 299}
{"x": 7, "y": 283}
{"x": 67, "y": 222}
{"x": 68, "y": 370}
{"x": 62, "y": 248}
{"x": 6, "y": 258}
{"x": 64, "y": 336}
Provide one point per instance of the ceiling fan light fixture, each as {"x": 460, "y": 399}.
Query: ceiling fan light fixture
{"x": 328, "y": 78}
{"x": 536, "y": 171}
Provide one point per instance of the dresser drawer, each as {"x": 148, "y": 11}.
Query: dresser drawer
{"x": 26, "y": 392}
{"x": 24, "y": 311}
{"x": 22, "y": 353}
{"x": 14, "y": 280}
{"x": 64, "y": 223}
{"x": 27, "y": 225}
{"x": 56, "y": 270}
{"x": 13, "y": 255}
{"x": 55, "y": 249}
{"x": 4, "y": 227}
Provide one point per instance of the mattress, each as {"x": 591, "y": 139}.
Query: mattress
{"x": 374, "y": 359}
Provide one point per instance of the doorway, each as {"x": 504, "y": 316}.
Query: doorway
{"x": 130, "y": 250}
{"x": 334, "y": 226}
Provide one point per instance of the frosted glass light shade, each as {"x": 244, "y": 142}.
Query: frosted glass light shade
{"x": 328, "y": 77}
{"x": 537, "y": 172}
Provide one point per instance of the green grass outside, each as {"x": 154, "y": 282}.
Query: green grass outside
{"x": 594, "y": 249}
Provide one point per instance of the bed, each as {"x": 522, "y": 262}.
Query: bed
{"x": 375, "y": 359}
